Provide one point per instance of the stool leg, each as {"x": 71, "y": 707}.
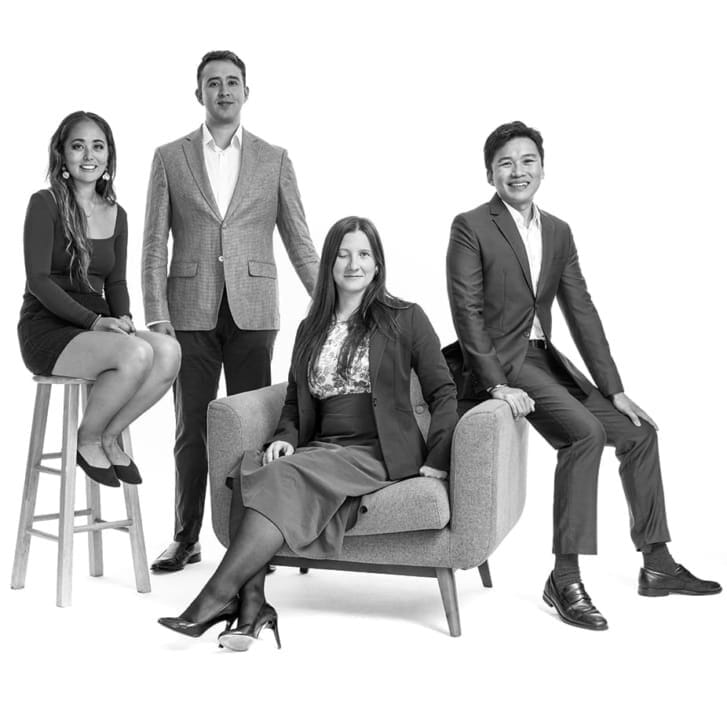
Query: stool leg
{"x": 68, "y": 494}
{"x": 93, "y": 503}
{"x": 136, "y": 530}
{"x": 30, "y": 489}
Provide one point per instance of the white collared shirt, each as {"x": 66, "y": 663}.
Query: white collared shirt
{"x": 223, "y": 166}
{"x": 532, "y": 237}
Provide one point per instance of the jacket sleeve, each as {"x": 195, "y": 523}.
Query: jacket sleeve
{"x": 293, "y": 228}
{"x": 154, "y": 254}
{"x": 585, "y": 325}
{"x": 115, "y": 288}
{"x": 438, "y": 389}
{"x": 38, "y": 241}
{"x": 288, "y": 424}
{"x": 465, "y": 287}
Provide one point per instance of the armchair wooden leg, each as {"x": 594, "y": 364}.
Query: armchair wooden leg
{"x": 484, "y": 570}
{"x": 448, "y": 589}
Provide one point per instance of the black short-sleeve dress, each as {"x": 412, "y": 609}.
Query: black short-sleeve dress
{"x": 55, "y": 308}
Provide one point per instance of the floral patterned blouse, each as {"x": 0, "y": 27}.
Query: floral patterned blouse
{"x": 324, "y": 380}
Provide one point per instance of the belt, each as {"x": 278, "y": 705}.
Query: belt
{"x": 537, "y": 343}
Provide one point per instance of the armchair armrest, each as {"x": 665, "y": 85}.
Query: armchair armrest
{"x": 487, "y": 480}
{"x": 234, "y": 424}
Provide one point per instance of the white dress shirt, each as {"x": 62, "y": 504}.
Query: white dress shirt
{"x": 532, "y": 237}
{"x": 223, "y": 166}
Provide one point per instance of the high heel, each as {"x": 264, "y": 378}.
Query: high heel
{"x": 102, "y": 475}
{"x": 128, "y": 473}
{"x": 194, "y": 629}
{"x": 241, "y": 638}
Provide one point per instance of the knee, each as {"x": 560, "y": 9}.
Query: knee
{"x": 137, "y": 357}
{"x": 638, "y": 437}
{"x": 167, "y": 358}
{"x": 594, "y": 434}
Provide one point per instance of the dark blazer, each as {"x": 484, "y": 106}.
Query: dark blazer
{"x": 391, "y": 359}
{"x": 493, "y": 302}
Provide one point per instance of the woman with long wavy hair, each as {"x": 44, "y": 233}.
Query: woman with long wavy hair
{"x": 76, "y": 319}
{"x": 346, "y": 429}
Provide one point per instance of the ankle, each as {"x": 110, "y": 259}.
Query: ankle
{"x": 658, "y": 558}
{"x": 566, "y": 570}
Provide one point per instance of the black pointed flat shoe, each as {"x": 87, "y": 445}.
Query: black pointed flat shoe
{"x": 128, "y": 473}
{"x": 102, "y": 475}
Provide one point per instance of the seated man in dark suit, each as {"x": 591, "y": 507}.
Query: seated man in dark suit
{"x": 507, "y": 261}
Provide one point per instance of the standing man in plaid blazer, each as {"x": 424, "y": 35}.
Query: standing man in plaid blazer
{"x": 220, "y": 191}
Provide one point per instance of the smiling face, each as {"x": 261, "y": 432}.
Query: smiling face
{"x": 86, "y": 152}
{"x": 222, "y": 92}
{"x": 516, "y": 173}
{"x": 355, "y": 265}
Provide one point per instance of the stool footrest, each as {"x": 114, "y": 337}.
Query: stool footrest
{"x": 47, "y": 470}
{"x": 51, "y": 455}
{"x": 43, "y": 534}
{"x": 103, "y": 525}
{"x": 56, "y": 515}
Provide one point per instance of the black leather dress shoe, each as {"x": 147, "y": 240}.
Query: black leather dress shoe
{"x": 574, "y": 605}
{"x": 654, "y": 583}
{"x": 176, "y": 556}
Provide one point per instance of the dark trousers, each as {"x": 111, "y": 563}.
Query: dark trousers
{"x": 246, "y": 358}
{"x": 578, "y": 426}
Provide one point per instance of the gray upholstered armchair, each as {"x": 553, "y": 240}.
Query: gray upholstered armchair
{"x": 419, "y": 526}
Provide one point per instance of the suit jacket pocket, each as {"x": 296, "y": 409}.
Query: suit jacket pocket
{"x": 259, "y": 269}
{"x": 182, "y": 269}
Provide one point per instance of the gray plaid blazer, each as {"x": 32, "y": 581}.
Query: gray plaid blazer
{"x": 211, "y": 253}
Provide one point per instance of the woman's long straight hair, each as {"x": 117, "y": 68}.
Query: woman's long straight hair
{"x": 376, "y": 310}
{"x": 73, "y": 218}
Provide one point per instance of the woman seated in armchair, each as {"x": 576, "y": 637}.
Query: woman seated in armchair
{"x": 346, "y": 429}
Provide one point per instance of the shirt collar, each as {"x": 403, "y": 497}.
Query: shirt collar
{"x": 518, "y": 217}
{"x": 208, "y": 140}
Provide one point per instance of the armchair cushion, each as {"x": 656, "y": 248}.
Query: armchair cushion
{"x": 417, "y": 503}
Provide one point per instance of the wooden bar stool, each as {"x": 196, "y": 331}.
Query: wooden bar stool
{"x": 66, "y": 529}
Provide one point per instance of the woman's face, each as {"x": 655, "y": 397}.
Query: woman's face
{"x": 355, "y": 265}
{"x": 86, "y": 152}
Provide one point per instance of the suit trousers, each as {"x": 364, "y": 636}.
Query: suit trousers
{"x": 246, "y": 357}
{"x": 578, "y": 426}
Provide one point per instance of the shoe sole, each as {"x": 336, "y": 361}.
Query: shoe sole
{"x": 165, "y": 569}
{"x": 236, "y": 642}
{"x": 565, "y": 619}
{"x": 659, "y": 592}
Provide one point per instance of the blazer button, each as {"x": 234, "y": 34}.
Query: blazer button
{"x": 373, "y": 401}
{"x": 221, "y": 258}
{"x": 419, "y": 409}
{"x": 526, "y": 334}
{"x": 363, "y": 509}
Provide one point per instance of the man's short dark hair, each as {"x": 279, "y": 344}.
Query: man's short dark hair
{"x": 506, "y": 132}
{"x": 220, "y": 55}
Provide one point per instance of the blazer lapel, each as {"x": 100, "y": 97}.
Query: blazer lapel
{"x": 547, "y": 232}
{"x": 192, "y": 147}
{"x": 505, "y": 223}
{"x": 249, "y": 155}
{"x": 377, "y": 344}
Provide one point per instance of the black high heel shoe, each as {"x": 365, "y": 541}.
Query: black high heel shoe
{"x": 194, "y": 629}
{"x": 128, "y": 473}
{"x": 241, "y": 638}
{"x": 102, "y": 475}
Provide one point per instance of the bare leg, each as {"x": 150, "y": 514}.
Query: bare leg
{"x": 119, "y": 363}
{"x": 164, "y": 368}
{"x": 255, "y": 543}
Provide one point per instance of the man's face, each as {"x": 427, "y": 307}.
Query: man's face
{"x": 222, "y": 92}
{"x": 517, "y": 171}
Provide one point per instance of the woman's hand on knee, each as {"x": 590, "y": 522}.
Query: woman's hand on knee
{"x": 277, "y": 449}
{"x": 110, "y": 325}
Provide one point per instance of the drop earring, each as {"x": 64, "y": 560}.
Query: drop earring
{"x": 65, "y": 174}
{"x": 106, "y": 176}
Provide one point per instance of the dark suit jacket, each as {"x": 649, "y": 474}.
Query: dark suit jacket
{"x": 493, "y": 302}
{"x": 391, "y": 360}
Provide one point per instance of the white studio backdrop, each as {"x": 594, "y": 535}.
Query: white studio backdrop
{"x": 384, "y": 109}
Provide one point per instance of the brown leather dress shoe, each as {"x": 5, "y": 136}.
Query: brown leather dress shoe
{"x": 574, "y": 605}
{"x": 655, "y": 583}
{"x": 176, "y": 556}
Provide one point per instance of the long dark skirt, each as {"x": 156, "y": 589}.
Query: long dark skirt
{"x": 313, "y": 495}
{"x": 43, "y": 335}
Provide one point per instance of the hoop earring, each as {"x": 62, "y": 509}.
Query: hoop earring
{"x": 65, "y": 174}
{"x": 106, "y": 176}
